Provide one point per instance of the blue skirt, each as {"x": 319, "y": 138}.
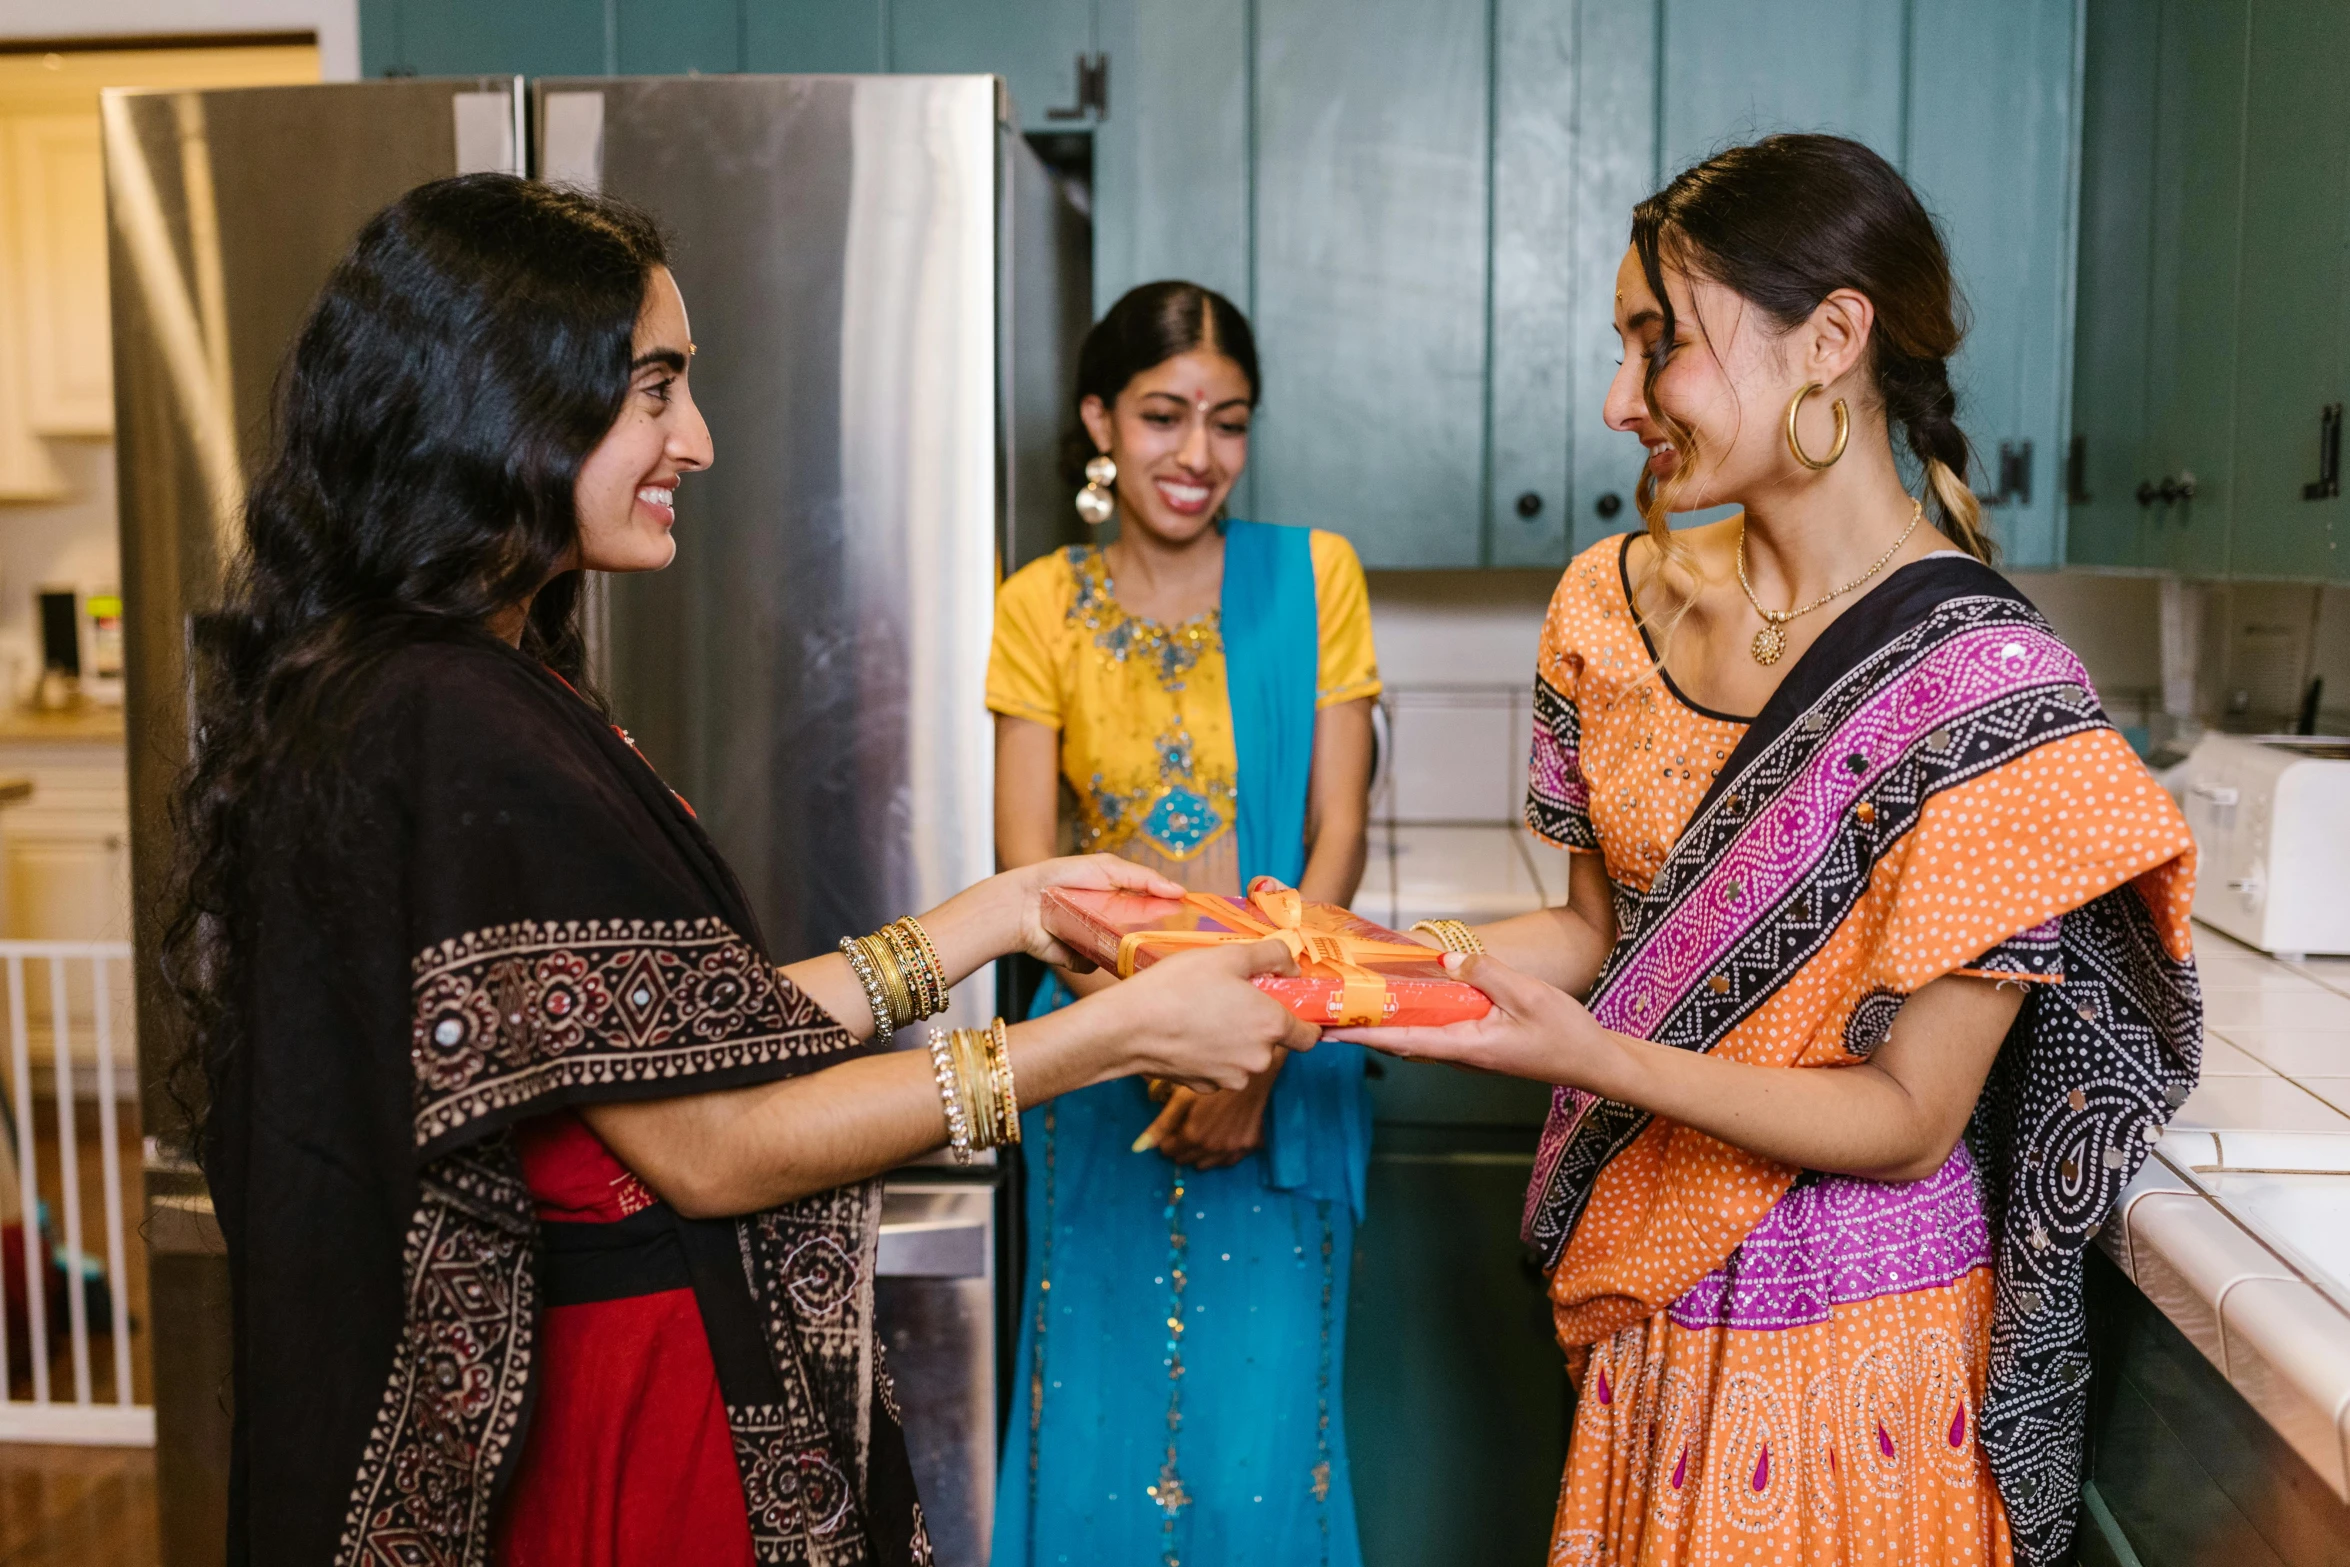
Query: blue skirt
{"x": 1182, "y": 1353}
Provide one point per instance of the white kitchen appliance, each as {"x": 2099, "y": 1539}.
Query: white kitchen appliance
{"x": 2271, "y": 817}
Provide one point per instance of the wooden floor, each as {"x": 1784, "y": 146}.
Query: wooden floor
{"x": 77, "y": 1506}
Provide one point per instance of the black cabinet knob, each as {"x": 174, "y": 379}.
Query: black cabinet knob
{"x": 1609, "y": 504}
{"x": 1529, "y": 505}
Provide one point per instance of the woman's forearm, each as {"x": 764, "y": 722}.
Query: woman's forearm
{"x": 746, "y": 1149}
{"x": 1194, "y": 1018}
{"x": 1555, "y": 945}
{"x": 1893, "y": 1117}
{"x": 970, "y": 930}
{"x": 1853, "y": 1120}
{"x": 1334, "y": 864}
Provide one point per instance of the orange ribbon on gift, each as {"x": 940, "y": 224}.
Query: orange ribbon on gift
{"x": 1277, "y": 913}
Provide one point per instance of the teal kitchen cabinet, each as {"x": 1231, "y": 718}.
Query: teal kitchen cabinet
{"x": 1423, "y": 208}
{"x": 1043, "y": 48}
{"x": 2191, "y": 337}
{"x": 2164, "y": 102}
{"x": 1040, "y": 47}
{"x": 470, "y": 38}
{"x": 552, "y": 37}
{"x": 1991, "y": 142}
{"x": 1457, "y": 1399}
{"x": 2287, "y": 522}
{"x": 1974, "y": 101}
{"x": 676, "y": 37}
{"x": 828, "y": 37}
{"x": 1369, "y": 272}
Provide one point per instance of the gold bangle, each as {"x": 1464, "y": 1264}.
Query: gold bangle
{"x": 950, "y": 1097}
{"x": 884, "y": 959}
{"x": 884, "y": 1019}
{"x": 1452, "y": 936}
{"x": 1001, "y": 1038}
{"x": 920, "y": 968}
{"x": 981, "y": 1101}
{"x": 972, "y": 1073}
{"x": 937, "y": 971}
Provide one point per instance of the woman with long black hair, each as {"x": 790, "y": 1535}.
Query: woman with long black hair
{"x": 549, "y": 1198}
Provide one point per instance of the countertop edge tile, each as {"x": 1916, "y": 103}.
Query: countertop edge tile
{"x": 2188, "y": 1256}
{"x": 2289, "y": 1355}
{"x": 2153, "y": 1177}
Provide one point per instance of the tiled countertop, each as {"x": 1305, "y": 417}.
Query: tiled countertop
{"x": 2238, "y": 1228}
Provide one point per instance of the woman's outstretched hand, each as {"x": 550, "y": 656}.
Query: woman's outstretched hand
{"x": 1083, "y": 872}
{"x": 1534, "y": 1031}
{"x": 1195, "y": 1020}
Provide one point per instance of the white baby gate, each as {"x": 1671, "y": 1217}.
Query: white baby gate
{"x": 68, "y": 1001}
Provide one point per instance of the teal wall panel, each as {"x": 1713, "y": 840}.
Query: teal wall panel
{"x": 2111, "y": 402}
{"x": 1370, "y": 272}
{"x": 2289, "y": 319}
{"x": 829, "y": 36}
{"x": 1032, "y": 44}
{"x": 1992, "y": 128}
{"x": 1733, "y": 70}
{"x": 678, "y": 37}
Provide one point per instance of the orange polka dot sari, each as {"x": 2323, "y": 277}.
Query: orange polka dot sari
{"x": 1785, "y": 1367}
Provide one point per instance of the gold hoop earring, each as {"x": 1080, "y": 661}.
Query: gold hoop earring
{"x": 1094, "y": 502}
{"x": 1795, "y": 442}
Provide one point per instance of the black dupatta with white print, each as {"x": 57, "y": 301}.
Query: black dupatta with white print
{"x": 505, "y": 913}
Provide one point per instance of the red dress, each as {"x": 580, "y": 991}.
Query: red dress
{"x": 628, "y": 1461}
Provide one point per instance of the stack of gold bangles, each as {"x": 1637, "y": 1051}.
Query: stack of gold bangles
{"x": 899, "y": 968}
{"x": 974, "y": 1071}
{"x": 1452, "y": 936}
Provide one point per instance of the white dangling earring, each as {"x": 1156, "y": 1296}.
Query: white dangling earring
{"x": 1094, "y": 502}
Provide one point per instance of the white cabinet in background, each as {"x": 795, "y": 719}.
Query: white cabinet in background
{"x": 65, "y": 850}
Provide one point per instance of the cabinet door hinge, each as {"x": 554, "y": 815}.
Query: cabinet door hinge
{"x": 1093, "y": 90}
{"x": 2328, "y": 483}
{"x": 2015, "y": 475}
{"x": 2076, "y": 472}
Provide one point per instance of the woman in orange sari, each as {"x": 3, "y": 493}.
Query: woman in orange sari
{"x": 1882, "y": 930}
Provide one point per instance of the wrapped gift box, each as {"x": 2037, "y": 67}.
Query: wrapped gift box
{"x": 1353, "y": 974}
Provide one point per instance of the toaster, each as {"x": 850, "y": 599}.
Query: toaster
{"x": 2271, "y": 817}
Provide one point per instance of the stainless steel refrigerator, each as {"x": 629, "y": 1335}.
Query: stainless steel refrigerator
{"x": 887, "y": 287}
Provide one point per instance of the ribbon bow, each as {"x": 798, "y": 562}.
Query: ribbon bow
{"x": 1275, "y": 912}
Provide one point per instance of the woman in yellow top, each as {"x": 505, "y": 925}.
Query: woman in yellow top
{"x": 1200, "y": 690}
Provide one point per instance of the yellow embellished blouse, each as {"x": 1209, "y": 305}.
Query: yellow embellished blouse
{"x": 1146, "y": 727}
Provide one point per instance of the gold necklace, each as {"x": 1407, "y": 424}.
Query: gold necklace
{"x": 1771, "y": 641}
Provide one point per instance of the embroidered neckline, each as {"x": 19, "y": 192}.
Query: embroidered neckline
{"x": 1093, "y": 568}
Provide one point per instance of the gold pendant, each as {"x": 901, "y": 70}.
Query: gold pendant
{"x": 1769, "y": 643}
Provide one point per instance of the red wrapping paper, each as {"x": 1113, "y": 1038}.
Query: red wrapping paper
{"x": 1351, "y": 975}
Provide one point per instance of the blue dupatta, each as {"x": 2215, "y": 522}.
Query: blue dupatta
{"x": 1318, "y": 1126}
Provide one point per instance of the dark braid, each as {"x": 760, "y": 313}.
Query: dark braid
{"x": 1919, "y": 398}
